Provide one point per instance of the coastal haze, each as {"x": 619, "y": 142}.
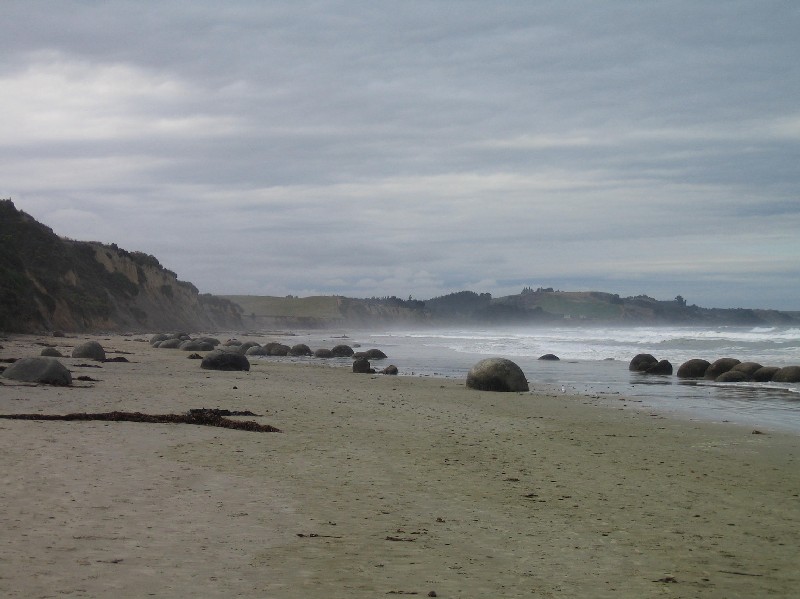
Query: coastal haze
{"x": 381, "y": 149}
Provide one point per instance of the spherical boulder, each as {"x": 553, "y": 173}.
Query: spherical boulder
{"x": 51, "y": 352}
{"x": 91, "y": 350}
{"x": 323, "y": 353}
{"x": 277, "y": 349}
{"x": 300, "y": 349}
{"x": 642, "y": 362}
{"x": 661, "y": 367}
{"x": 171, "y": 343}
{"x": 247, "y": 345}
{"x": 225, "y": 360}
{"x": 390, "y": 370}
{"x": 342, "y": 351}
{"x": 720, "y": 366}
{"x": 375, "y": 354}
{"x": 48, "y": 371}
{"x": 732, "y": 376}
{"x": 256, "y": 350}
{"x": 787, "y": 374}
{"x": 693, "y": 369}
{"x": 157, "y": 338}
{"x": 497, "y": 374}
{"x": 765, "y": 374}
{"x": 195, "y": 345}
{"x": 362, "y": 366}
{"x": 552, "y": 357}
{"x": 749, "y": 368}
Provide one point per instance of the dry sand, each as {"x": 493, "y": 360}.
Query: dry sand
{"x": 379, "y": 486}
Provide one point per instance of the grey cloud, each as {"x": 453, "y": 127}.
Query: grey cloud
{"x": 415, "y": 144}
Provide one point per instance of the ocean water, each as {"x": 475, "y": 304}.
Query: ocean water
{"x": 594, "y": 362}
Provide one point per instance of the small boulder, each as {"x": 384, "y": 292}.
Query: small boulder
{"x": 765, "y": 374}
{"x": 256, "y": 350}
{"x": 362, "y": 366}
{"x": 391, "y": 370}
{"x": 158, "y": 338}
{"x": 195, "y": 357}
{"x": 720, "y": 366}
{"x": 212, "y": 340}
{"x": 342, "y": 351}
{"x": 277, "y": 349}
{"x": 323, "y": 353}
{"x": 693, "y": 369}
{"x": 171, "y": 343}
{"x": 247, "y": 345}
{"x": 48, "y": 371}
{"x": 552, "y": 357}
{"x": 195, "y": 345}
{"x": 301, "y": 349}
{"x": 91, "y": 350}
{"x": 225, "y": 360}
{"x": 641, "y": 362}
{"x": 375, "y": 354}
{"x": 497, "y": 374}
{"x": 58, "y": 334}
{"x": 232, "y": 342}
{"x": 51, "y": 352}
{"x": 787, "y": 374}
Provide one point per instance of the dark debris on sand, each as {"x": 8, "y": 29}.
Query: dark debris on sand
{"x": 202, "y": 417}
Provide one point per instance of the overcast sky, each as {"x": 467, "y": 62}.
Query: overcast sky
{"x": 417, "y": 148}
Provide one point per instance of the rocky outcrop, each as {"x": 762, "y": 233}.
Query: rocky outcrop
{"x": 497, "y": 374}
{"x": 787, "y": 374}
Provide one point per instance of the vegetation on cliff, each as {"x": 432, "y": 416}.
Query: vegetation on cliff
{"x": 49, "y": 282}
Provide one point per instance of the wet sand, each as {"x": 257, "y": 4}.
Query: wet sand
{"x": 379, "y": 486}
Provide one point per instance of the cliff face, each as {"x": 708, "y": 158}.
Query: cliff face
{"x": 47, "y": 282}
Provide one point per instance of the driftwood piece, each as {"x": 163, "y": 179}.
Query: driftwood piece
{"x": 202, "y": 417}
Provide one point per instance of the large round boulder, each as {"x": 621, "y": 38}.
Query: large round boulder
{"x": 90, "y": 350}
{"x": 765, "y": 374}
{"x": 51, "y": 352}
{"x": 497, "y": 374}
{"x": 641, "y": 362}
{"x": 300, "y": 349}
{"x": 551, "y": 357}
{"x": 749, "y": 368}
{"x": 342, "y": 351}
{"x": 225, "y": 360}
{"x": 732, "y": 376}
{"x": 48, "y": 371}
{"x": 323, "y": 353}
{"x": 212, "y": 340}
{"x": 660, "y": 367}
{"x": 247, "y": 345}
{"x": 693, "y": 369}
{"x": 787, "y": 374}
{"x": 719, "y": 366}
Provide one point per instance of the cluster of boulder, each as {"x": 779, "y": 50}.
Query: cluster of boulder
{"x": 731, "y": 370}
{"x": 47, "y": 370}
{"x": 724, "y": 370}
{"x": 232, "y": 354}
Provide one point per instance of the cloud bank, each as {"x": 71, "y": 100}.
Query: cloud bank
{"x": 417, "y": 148}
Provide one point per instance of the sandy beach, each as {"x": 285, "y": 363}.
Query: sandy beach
{"x": 378, "y": 486}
